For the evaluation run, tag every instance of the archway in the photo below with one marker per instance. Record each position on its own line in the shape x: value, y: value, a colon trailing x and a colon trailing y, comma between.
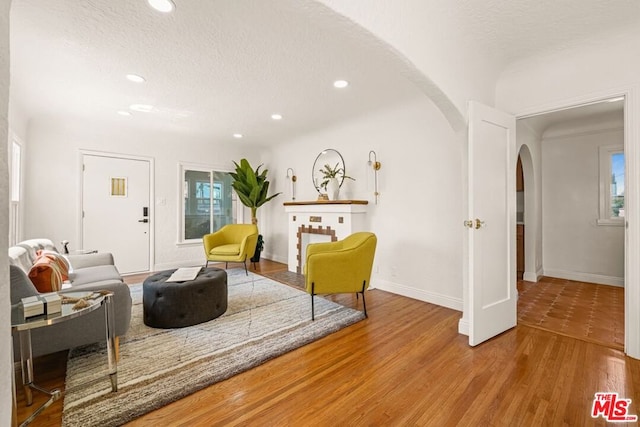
x: 531, y: 218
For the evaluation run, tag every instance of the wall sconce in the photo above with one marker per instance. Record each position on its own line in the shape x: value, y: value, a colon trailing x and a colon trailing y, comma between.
x: 293, y: 179
x: 376, y: 165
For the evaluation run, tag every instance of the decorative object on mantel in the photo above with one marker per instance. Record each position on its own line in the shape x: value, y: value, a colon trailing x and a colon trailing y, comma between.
x: 293, y: 179
x: 251, y: 186
x: 328, y: 177
x: 376, y: 165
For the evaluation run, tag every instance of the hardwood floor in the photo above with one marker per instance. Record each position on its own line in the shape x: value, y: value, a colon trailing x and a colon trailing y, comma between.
x: 585, y: 311
x: 404, y: 365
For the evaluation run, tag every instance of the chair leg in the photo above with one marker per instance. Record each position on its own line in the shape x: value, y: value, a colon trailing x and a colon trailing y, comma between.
x: 207, y: 264
x: 245, y: 268
x: 312, y: 308
x: 364, y: 303
x: 226, y: 265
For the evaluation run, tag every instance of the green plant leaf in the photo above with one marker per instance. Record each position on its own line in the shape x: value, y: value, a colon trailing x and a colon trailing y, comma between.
x: 251, y: 185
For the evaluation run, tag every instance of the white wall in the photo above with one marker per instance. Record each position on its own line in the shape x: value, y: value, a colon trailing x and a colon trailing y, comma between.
x: 574, y: 245
x: 418, y: 218
x: 600, y: 67
x: 53, y: 178
x: 6, y: 368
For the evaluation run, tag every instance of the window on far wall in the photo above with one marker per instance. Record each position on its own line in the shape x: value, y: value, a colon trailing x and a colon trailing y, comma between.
x: 611, y: 185
x: 16, y: 185
x: 208, y: 202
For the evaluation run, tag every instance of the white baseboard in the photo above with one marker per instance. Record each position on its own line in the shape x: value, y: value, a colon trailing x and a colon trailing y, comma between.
x: 530, y: 277
x: 463, y: 326
x: 585, y: 277
x: 419, y: 294
x: 179, y: 264
x: 273, y: 257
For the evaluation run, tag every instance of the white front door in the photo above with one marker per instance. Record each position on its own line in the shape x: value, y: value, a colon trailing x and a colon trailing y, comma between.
x: 492, y: 224
x: 116, y: 211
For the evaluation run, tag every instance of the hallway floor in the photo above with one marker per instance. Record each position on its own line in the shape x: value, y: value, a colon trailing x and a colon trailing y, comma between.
x: 586, y: 311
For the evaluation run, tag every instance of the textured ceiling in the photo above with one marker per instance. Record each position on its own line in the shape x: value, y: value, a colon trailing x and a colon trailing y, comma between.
x: 512, y: 30
x: 218, y: 67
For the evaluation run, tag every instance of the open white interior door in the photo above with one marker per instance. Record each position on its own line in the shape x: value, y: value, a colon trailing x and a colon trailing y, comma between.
x: 492, y: 223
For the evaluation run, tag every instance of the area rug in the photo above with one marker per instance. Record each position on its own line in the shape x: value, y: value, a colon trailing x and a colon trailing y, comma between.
x: 585, y: 311
x: 264, y: 319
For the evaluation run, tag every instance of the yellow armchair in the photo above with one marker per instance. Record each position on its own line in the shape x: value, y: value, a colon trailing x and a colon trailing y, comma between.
x: 232, y: 243
x: 340, y: 267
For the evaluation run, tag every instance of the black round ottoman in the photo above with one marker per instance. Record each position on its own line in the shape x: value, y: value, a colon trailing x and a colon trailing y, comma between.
x: 179, y: 304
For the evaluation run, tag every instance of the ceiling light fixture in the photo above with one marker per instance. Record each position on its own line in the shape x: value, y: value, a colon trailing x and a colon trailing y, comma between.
x: 276, y: 116
x: 340, y: 84
x: 143, y: 108
x: 135, y: 78
x: 237, y: 135
x: 164, y: 6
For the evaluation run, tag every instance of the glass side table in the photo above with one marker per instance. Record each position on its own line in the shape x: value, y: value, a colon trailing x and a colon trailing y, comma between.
x: 24, y: 326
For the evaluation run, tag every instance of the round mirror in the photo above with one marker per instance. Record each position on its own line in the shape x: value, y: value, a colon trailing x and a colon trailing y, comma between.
x: 328, y: 163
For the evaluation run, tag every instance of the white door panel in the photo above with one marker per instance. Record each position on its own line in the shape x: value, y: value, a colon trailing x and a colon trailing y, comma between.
x: 492, y: 275
x: 114, y: 193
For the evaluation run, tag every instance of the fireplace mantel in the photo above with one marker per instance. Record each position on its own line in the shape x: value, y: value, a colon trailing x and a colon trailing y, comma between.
x: 319, y: 221
x: 327, y: 202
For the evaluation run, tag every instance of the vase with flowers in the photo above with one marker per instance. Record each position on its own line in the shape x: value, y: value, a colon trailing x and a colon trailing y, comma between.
x: 332, y: 179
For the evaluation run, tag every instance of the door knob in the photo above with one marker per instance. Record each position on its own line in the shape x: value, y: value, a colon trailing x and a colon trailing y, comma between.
x: 474, y: 223
x: 145, y: 220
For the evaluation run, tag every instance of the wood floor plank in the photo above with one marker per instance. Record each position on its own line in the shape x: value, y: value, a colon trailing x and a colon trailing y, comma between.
x: 404, y: 365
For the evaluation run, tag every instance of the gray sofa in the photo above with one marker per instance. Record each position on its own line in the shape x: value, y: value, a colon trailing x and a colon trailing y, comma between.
x: 89, y: 272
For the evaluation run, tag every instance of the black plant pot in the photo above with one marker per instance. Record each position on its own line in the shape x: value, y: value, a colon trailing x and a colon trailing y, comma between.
x: 259, y: 248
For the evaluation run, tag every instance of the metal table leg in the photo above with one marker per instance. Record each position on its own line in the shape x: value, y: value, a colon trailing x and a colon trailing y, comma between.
x: 110, y: 328
x: 26, y: 365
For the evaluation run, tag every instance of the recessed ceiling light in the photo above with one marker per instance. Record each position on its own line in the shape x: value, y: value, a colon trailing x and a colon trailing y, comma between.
x: 135, y: 78
x: 124, y: 113
x: 237, y: 135
x: 164, y: 6
x: 340, y: 84
x: 276, y: 116
x: 143, y: 108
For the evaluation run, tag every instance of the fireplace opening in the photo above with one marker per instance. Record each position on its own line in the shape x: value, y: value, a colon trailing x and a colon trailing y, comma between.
x: 308, y: 235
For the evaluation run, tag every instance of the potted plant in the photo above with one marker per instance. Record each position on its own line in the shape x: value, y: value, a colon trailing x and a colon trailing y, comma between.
x: 251, y: 186
x: 331, y: 180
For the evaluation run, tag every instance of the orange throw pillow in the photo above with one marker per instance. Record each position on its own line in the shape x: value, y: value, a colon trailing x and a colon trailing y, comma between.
x: 49, y: 271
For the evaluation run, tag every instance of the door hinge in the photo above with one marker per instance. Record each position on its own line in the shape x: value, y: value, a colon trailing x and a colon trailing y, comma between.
x: 83, y: 167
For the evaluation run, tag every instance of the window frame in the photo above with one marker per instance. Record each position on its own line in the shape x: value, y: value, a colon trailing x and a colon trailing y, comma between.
x: 183, y: 167
x: 605, y: 154
x: 16, y: 181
